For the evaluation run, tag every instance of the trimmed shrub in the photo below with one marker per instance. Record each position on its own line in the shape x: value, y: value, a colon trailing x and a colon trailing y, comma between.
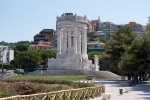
x: 23, y: 88
x: 5, y: 91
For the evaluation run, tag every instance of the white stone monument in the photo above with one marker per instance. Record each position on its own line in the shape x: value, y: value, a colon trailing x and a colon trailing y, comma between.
x: 96, y: 63
x: 71, y: 44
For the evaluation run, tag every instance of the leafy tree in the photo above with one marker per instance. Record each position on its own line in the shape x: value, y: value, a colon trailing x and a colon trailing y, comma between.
x: 141, y: 51
x: 45, y: 54
x: 21, y: 46
x: 29, y: 60
x: 104, y: 61
x: 148, y: 24
x: 128, y: 63
x: 119, y: 43
x: 90, y: 36
x: 14, y: 64
x: 137, y: 57
x: 7, y: 44
x: 91, y: 55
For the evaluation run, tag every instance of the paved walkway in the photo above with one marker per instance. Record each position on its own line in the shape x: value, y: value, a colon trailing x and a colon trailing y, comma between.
x: 138, y: 92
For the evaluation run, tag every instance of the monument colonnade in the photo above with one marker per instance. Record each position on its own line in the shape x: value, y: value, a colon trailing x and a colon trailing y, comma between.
x: 72, y: 40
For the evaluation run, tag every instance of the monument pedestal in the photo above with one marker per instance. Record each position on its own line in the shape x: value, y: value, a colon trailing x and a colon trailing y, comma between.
x: 69, y: 63
x: 71, y: 44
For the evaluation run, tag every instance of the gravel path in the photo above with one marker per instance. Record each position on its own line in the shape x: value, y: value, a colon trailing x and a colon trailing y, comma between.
x: 138, y: 92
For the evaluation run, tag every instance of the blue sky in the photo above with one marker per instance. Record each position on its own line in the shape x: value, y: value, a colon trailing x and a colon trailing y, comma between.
x: 22, y: 19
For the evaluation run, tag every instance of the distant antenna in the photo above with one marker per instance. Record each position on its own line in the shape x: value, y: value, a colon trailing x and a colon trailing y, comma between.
x: 149, y: 20
x: 99, y: 18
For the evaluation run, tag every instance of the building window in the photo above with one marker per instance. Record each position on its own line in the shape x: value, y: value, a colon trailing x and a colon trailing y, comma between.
x: 71, y: 40
x: 96, y: 46
x: 7, y: 57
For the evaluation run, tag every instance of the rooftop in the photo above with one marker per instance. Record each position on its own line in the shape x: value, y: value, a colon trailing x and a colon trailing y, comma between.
x: 133, y: 24
x: 94, y: 43
x: 71, y: 17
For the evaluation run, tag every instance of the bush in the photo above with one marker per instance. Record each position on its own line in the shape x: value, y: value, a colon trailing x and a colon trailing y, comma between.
x: 23, y: 88
x: 5, y: 91
x: 41, y: 81
x: 64, y: 82
x: 81, y: 85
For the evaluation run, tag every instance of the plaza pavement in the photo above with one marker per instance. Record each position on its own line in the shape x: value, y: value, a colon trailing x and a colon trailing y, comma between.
x: 138, y: 92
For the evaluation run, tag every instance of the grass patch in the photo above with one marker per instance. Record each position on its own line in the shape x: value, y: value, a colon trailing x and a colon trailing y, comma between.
x: 67, y: 78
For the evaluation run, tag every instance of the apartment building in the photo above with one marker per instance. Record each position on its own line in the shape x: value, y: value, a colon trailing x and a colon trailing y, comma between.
x: 46, y: 39
x: 135, y: 26
x: 107, y: 27
x: 94, y: 25
x: 42, y: 45
x: 47, y: 35
x: 95, y: 46
x: 6, y: 54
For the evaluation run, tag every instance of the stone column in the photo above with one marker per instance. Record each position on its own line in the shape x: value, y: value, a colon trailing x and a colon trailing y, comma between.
x: 79, y: 42
x: 85, y: 34
x: 64, y: 43
x: 84, y: 41
x: 58, y: 41
x: 75, y: 39
x: 69, y: 40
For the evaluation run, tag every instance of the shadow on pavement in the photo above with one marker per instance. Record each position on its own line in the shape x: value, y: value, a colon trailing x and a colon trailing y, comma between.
x: 143, y: 87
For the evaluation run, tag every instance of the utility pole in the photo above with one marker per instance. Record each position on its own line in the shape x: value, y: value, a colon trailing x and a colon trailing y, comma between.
x: 2, y: 55
x: 2, y: 71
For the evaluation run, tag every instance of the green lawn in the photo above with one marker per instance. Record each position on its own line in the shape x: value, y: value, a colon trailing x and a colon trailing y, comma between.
x: 68, y: 78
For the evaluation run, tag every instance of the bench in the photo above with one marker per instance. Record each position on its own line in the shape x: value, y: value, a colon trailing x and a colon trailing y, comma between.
x: 127, y: 90
x: 106, y: 96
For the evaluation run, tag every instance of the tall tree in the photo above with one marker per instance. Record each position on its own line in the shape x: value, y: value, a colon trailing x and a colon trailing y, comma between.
x: 148, y: 24
x: 14, y: 64
x: 119, y: 43
x: 137, y: 58
x: 21, y: 46
x: 103, y: 61
x: 45, y: 54
x: 29, y: 60
x: 141, y: 51
x: 91, y: 55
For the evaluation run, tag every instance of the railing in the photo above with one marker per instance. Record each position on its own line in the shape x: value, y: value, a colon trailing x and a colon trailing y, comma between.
x: 72, y: 94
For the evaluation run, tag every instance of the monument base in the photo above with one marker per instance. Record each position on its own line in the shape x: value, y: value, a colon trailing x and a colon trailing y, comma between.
x: 65, y: 64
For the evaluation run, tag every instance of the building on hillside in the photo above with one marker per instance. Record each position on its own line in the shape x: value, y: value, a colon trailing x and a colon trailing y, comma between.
x: 47, y: 35
x: 95, y: 46
x: 134, y: 26
x: 102, y: 36
x: 42, y: 45
x: 138, y: 29
x: 101, y: 31
x: 94, y: 25
x: 106, y: 27
x: 144, y: 29
x: 6, y: 54
x: 98, y: 36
